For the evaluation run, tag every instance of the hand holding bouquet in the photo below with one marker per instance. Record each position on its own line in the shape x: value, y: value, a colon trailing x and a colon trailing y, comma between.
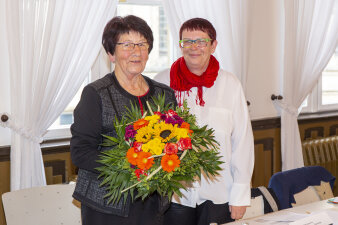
x: 156, y: 152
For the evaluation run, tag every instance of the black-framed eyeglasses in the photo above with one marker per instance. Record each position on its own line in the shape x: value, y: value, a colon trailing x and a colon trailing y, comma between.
x: 200, y: 43
x: 129, y: 46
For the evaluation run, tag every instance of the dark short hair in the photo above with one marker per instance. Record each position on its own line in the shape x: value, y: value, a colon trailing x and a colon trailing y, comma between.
x: 199, y: 24
x: 122, y: 25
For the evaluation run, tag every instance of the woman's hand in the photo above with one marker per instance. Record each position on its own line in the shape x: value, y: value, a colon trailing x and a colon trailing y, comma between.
x: 237, y: 212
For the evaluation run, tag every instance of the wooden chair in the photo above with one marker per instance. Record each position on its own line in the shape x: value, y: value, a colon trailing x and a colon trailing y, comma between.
x: 51, y: 204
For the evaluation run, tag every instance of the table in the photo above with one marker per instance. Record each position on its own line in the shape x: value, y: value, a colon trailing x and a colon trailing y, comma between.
x: 314, y: 207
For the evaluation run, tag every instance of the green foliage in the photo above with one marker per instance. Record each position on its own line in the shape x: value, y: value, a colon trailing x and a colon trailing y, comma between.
x: 118, y: 175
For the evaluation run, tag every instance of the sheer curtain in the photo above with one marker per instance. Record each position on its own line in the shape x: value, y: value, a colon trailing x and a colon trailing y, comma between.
x: 230, y: 19
x: 311, y: 36
x: 52, y: 45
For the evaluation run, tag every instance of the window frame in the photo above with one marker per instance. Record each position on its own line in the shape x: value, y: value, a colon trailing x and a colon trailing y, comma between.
x: 63, y: 131
x: 314, y: 99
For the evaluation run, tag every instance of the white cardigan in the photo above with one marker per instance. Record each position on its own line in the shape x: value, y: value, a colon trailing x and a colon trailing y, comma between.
x: 226, y: 111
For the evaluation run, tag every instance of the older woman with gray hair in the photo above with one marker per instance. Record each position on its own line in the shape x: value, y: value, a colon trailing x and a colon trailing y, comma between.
x: 128, y: 42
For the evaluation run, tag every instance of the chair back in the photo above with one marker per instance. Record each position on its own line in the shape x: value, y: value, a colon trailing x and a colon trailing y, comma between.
x: 51, y: 204
x: 263, y: 200
x: 288, y: 183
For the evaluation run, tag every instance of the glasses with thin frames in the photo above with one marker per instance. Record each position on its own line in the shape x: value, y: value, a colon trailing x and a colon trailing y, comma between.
x: 129, y: 46
x: 200, y: 43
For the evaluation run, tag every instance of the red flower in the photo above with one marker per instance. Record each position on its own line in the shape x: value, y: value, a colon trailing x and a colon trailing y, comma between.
x: 139, y: 172
x: 170, y: 148
x: 184, y: 144
x: 137, y: 146
x: 171, y: 113
x: 157, y: 113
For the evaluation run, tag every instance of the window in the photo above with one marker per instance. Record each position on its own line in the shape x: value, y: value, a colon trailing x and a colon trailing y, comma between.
x: 160, y: 57
x: 324, y: 96
x: 152, y: 12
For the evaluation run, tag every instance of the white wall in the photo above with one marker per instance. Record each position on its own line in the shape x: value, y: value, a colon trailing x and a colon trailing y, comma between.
x: 4, y: 76
x: 263, y: 71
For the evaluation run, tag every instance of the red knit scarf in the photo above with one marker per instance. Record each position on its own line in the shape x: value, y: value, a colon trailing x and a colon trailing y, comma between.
x: 181, y: 79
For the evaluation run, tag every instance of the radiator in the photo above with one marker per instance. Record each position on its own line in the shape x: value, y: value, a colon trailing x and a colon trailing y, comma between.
x: 323, y: 152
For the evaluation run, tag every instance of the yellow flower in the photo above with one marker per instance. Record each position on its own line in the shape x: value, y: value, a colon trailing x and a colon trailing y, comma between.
x: 154, y: 146
x: 164, y: 131
x: 181, y: 133
x: 144, y: 134
x: 152, y: 119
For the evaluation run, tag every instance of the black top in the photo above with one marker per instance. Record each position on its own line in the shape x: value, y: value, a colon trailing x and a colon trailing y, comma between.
x: 100, y: 103
x: 93, y: 116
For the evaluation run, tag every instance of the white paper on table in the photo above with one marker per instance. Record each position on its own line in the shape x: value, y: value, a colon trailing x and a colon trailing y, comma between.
x: 315, y: 219
x: 283, y: 219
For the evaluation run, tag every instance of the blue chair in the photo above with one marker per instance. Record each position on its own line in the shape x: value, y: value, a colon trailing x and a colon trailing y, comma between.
x: 287, y: 183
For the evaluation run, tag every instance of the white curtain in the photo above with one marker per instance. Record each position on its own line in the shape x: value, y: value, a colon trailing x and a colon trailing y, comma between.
x: 52, y: 45
x: 230, y: 19
x: 311, y: 36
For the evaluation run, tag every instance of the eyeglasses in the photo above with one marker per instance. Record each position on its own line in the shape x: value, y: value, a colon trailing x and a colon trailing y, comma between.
x: 200, y: 43
x: 129, y: 46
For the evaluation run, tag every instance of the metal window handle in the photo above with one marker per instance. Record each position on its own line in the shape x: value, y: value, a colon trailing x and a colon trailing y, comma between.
x: 276, y: 97
x: 4, y: 118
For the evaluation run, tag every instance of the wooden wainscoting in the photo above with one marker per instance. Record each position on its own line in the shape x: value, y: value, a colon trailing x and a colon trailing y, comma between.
x: 312, y: 128
x: 59, y: 168
x: 267, y: 150
x: 268, y: 142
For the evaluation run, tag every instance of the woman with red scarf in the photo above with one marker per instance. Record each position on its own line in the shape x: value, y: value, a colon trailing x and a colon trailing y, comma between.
x: 216, y: 98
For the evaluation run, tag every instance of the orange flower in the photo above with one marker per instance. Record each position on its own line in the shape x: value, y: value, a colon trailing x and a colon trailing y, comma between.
x: 140, y: 123
x: 186, y: 126
x: 143, y: 162
x: 170, y: 162
x: 132, y: 156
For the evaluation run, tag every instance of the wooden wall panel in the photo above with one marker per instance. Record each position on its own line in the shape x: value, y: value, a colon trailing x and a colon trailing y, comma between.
x: 4, y: 186
x: 58, y: 163
x: 267, y: 155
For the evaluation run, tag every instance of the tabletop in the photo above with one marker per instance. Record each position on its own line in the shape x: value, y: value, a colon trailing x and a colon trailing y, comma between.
x: 286, y: 216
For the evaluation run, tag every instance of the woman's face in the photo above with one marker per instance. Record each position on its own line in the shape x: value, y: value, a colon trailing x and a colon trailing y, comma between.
x: 197, y: 59
x: 130, y: 62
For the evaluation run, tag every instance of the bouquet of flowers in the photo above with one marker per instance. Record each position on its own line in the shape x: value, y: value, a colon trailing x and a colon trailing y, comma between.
x: 156, y: 152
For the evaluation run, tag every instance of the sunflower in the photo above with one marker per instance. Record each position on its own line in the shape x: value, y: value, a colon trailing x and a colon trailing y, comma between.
x: 154, y: 146
x: 144, y: 134
x: 164, y: 131
x: 170, y: 162
x: 143, y: 162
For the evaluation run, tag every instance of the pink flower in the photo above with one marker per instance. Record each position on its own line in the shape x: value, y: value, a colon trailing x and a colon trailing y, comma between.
x: 137, y: 146
x: 184, y: 144
x: 171, y: 113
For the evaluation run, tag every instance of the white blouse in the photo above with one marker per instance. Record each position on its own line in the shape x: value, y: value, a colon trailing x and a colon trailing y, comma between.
x: 226, y: 111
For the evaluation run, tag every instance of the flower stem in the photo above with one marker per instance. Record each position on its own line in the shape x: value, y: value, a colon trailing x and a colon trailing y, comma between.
x: 154, y: 156
x: 126, y: 189
x: 151, y: 111
x: 184, y: 153
x: 147, y: 178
